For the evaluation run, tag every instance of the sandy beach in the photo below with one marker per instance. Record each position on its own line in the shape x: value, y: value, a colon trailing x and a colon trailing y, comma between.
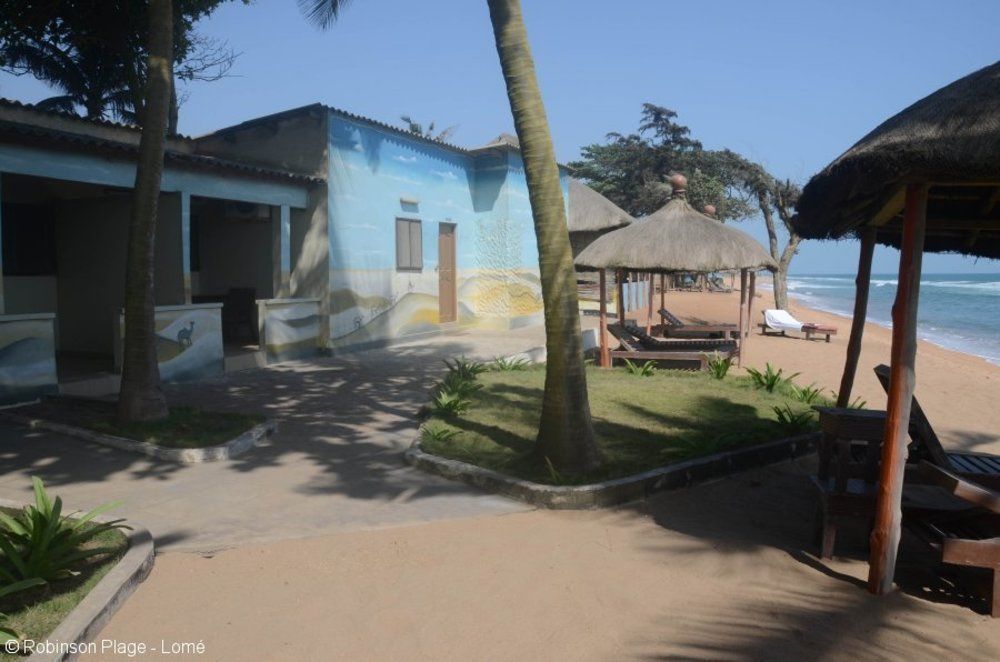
x: 724, y: 570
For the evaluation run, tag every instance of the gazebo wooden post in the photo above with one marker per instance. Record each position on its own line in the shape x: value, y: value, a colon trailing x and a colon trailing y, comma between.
x: 604, y: 359
x: 620, y: 276
x: 861, y: 284
x: 749, y: 322
x: 649, y: 315
x: 663, y: 290
x: 743, y: 305
x: 888, y: 513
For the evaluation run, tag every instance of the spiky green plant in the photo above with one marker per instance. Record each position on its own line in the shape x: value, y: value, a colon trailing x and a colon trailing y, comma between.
x: 718, y: 365
x: 647, y: 369
x: 793, y: 421
x: 465, y: 368
x: 770, y: 379
x: 40, y: 542
x: 509, y: 364
x: 437, y: 434
x: 807, y: 394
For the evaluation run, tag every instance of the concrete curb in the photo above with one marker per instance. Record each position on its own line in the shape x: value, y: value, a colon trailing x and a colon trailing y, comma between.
x: 97, y: 607
x: 620, y: 490
x: 225, y: 451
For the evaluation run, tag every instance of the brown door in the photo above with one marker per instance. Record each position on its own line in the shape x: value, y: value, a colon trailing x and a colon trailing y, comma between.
x: 447, y: 294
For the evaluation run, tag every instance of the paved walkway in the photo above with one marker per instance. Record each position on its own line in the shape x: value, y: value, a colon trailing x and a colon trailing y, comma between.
x: 335, y: 464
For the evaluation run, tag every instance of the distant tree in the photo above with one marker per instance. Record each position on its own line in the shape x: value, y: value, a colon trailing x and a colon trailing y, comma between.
x: 417, y: 128
x: 94, y: 52
x: 632, y: 169
x: 565, y: 430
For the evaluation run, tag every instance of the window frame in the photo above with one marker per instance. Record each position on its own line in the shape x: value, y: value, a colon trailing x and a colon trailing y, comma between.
x: 409, y: 223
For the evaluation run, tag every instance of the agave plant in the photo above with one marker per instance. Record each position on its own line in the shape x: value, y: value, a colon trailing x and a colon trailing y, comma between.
x: 646, y: 369
x: 770, y: 379
x: 509, y: 364
x: 807, y: 394
x: 718, y: 365
x: 41, y: 543
x: 465, y: 368
x: 794, y: 422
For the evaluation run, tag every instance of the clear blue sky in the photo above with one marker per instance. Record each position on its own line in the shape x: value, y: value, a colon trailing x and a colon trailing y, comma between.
x: 790, y: 83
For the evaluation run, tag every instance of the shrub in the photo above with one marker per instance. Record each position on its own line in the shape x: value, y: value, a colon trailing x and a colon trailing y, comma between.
x: 718, y: 366
x: 857, y: 403
x: 465, y: 368
x: 794, y: 422
x: 770, y: 379
x: 458, y: 385
x: 42, y: 543
x: 502, y: 364
x: 807, y: 394
x: 646, y: 369
x: 437, y: 434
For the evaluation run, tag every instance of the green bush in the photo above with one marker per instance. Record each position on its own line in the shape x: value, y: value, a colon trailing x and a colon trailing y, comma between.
x: 770, y: 379
x: 502, y: 364
x: 718, y: 365
x: 807, y: 394
x: 464, y: 368
x: 794, y: 422
x: 42, y: 543
x: 647, y: 369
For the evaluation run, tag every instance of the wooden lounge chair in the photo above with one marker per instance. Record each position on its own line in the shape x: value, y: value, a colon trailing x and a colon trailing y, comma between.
x: 675, y: 327
x: 980, y: 468
x: 967, y: 538
x: 777, y: 322
x: 637, y: 345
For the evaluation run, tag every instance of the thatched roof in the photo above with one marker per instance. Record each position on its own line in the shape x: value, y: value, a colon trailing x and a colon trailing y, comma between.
x: 677, y: 238
x: 589, y: 211
x: 951, y: 140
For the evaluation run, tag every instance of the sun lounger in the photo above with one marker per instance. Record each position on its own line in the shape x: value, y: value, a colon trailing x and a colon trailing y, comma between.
x: 980, y: 468
x: 673, y: 326
x: 780, y: 321
x: 636, y: 344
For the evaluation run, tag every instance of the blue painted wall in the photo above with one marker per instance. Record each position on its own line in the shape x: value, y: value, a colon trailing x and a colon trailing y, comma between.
x: 376, y: 176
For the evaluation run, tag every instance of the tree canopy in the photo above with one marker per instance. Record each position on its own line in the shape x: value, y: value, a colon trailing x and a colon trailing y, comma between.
x: 94, y: 51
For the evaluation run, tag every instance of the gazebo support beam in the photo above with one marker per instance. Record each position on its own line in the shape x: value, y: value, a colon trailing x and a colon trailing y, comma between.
x: 620, y: 277
x: 888, y: 512
x: 751, y: 293
x: 862, y: 284
x: 743, y: 306
x: 604, y: 360
x: 649, y: 311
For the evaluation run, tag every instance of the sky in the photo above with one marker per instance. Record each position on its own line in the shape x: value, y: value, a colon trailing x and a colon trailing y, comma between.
x: 789, y: 83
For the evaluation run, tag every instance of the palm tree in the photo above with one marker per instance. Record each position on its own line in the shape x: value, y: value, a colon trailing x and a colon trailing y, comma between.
x: 565, y: 432
x: 140, y: 397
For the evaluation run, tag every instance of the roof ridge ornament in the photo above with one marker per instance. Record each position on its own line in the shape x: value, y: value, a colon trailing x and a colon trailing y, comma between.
x: 678, y: 185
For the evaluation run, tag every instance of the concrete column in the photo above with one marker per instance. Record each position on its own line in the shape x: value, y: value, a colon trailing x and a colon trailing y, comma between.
x: 186, y: 244
x: 281, y: 235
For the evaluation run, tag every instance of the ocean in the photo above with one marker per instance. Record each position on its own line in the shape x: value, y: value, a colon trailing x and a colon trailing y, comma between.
x: 957, y: 311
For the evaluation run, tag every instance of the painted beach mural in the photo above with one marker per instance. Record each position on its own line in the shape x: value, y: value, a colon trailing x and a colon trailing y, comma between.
x: 188, y: 341
x: 27, y: 357
x: 291, y: 328
x: 377, y: 179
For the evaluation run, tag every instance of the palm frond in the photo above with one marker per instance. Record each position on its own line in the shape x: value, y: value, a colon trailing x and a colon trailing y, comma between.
x: 322, y: 13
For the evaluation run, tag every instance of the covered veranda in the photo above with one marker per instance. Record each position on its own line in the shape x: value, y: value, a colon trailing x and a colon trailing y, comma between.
x: 65, y: 189
x: 925, y: 180
x: 675, y: 239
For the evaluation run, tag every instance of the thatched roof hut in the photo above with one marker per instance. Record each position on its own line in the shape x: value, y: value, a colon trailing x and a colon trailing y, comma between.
x: 951, y: 140
x: 591, y: 215
x: 676, y: 239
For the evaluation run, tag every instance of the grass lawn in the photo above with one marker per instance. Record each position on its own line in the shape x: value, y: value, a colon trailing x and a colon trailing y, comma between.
x: 641, y: 422
x: 36, y: 612
x: 186, y: 427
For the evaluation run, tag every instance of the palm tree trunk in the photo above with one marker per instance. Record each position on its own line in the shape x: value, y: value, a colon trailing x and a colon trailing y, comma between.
x: 565, y: 433
x: 141, y: 397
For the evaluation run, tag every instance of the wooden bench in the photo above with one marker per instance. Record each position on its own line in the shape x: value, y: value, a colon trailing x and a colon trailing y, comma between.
x: 673, y: 326
x: 809, y: 329
x: 637, y: 345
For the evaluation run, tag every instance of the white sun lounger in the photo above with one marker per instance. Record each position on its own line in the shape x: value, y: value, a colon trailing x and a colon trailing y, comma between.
x: 781, y: 321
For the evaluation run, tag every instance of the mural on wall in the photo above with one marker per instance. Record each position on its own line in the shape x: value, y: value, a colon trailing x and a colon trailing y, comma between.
x: 291, y: 329
x: 27, y: 358
x: 188, y: 341
x: 377, y: 177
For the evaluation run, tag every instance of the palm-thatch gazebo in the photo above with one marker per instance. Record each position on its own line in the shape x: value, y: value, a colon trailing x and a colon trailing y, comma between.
x: 591, y: 215
x: 926, y: 179
x: 676, y: 239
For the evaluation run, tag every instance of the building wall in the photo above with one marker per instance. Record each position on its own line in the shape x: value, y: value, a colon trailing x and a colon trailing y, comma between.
x: 377, y: 176
x: 235, y: 253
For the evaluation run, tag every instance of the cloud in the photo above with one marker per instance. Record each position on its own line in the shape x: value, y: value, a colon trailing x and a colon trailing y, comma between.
x: 445, y: 174
x: 405, y: 159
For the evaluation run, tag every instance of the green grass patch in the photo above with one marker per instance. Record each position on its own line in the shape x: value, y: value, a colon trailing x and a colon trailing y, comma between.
x: 36, y: 612
x: 640, y: 423
x: 186, y: 427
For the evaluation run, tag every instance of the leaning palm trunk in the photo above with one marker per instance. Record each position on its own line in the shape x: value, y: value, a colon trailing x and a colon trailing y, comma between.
x: 565, y: 434
x: 141, y: 397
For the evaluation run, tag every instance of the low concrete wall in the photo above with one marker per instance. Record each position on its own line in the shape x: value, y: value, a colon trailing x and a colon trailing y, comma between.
x: 289, y: 328
x: 27, y: 357
x: 188, y: 341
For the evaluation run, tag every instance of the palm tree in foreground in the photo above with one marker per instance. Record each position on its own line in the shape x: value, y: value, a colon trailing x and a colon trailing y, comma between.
x: 141, y: 398
x: 565, y: 432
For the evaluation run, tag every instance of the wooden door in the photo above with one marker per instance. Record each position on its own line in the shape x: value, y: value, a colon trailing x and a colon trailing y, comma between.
x: 447, y: 292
